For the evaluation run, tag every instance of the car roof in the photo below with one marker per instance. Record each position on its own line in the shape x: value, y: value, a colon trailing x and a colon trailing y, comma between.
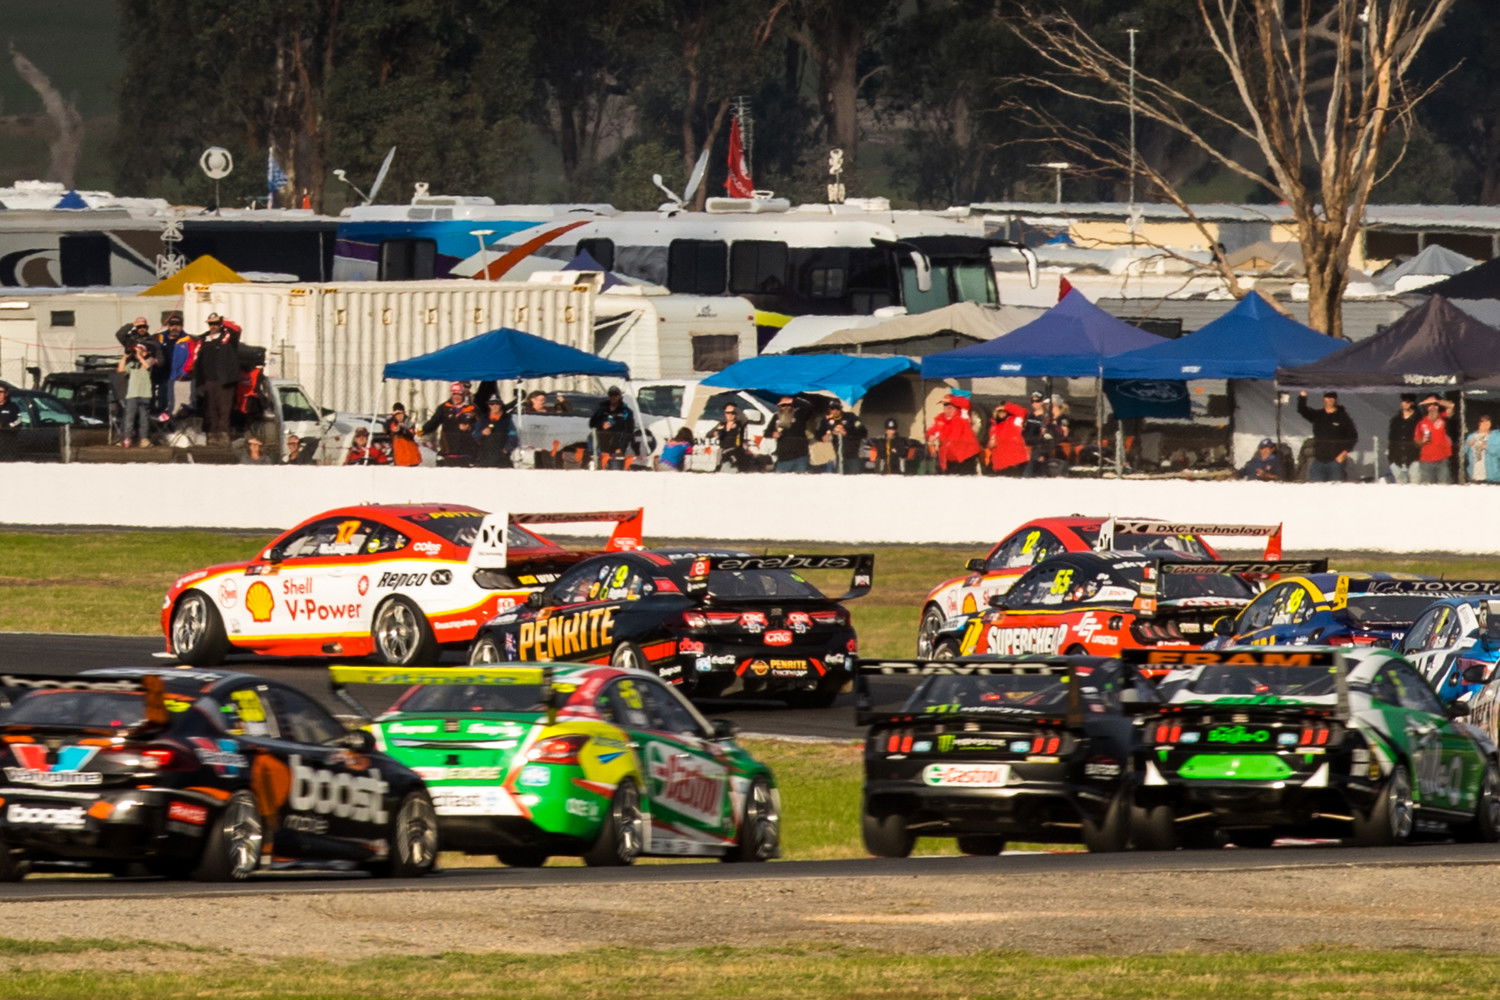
x: 182, y: 678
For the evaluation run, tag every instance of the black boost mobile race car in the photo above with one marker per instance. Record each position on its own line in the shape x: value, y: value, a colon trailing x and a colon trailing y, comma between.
x: 989, y: 750
x: 197, y: 773
x: 713, y: 623
x: 1257, y: 743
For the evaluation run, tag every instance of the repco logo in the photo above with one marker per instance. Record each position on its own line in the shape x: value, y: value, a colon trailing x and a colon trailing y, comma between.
x: 360, y: 798
x: 402, y: 579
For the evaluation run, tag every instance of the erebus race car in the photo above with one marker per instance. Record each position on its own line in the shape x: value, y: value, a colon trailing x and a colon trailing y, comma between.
x: 527, y: 762
x: 990, y: 750
x: 1045, y: 537
x: 712, y: 623
x: 1099, y: 603
x: 1308, y: 742
x: 197, y: 773
x: 399, y: 582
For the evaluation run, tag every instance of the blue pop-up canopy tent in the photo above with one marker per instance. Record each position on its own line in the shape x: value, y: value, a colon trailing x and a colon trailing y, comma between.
x: 1251, y: 340
x: 847, y: 376
x: 1071, y: 339
x: 504, y: 354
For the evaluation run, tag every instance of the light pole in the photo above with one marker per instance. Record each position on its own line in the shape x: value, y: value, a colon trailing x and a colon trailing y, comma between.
x: 480, y: 234
x: 1132, y: 33
x: 1057, y: 167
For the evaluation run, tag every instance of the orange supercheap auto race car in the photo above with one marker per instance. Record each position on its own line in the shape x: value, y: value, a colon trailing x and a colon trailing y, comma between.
x: 1045, y: 537
x: 397, y: 582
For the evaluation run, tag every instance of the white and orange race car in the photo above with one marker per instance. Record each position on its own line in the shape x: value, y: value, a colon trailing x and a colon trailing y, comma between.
x: 1045, y: 537
x: 398, y: 582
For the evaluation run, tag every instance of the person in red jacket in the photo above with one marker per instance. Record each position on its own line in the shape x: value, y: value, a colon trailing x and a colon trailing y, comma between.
x: 951, y: 438
x: 1434, y: 445
x: 1005, y: 452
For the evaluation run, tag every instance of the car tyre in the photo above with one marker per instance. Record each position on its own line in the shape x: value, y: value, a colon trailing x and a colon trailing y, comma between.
x: 887, y: 836
x: 522, y: 857
x: 198, y: 636
x: 1484, y: 828
x: 401, y: 634
x: 414, y: 840
x: 628, y: 656
x: 13, y: 864
x: 1110, y: 832
x: 484, y: 651
x: 981, y: 846
x: 233, y: 845
x: 1392, y: 816
x: 622, y: 836
x: 946, y: 649
x: 927, y: 629
x: 1154, y: 828
x: 759, y: 835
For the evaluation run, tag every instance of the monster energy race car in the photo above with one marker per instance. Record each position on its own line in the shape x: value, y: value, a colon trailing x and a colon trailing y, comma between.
x: 1275, y: 741
x: 525, y: 762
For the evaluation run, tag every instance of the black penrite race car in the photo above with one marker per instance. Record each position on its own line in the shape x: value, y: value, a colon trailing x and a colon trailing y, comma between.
x: 713, y: 623
x: 1254, y: 743
x: 989, y: 750
x: 197, y: 773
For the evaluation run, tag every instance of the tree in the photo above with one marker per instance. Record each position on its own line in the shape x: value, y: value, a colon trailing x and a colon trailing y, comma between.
x: 1314, y: 91
x: 835, y: 34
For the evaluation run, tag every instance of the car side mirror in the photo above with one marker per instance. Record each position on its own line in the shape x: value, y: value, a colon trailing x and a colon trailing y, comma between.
x: 275, y: 554
x: 1224, y: 627
x: 536, y: 599
x: 1131, y: 703
x: 974, y: 565
x: 996, y: 601
x: 1458, y: 710
x: 723, y: 729
x: 357, y: 740
x: 1474, y: 673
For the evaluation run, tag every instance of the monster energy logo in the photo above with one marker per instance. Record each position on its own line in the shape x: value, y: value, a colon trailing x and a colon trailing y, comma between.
x: 945, y: 743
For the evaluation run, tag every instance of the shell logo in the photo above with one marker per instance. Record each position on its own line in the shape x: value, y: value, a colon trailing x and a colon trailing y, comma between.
x: 259, y: 602
x: 970, y: 605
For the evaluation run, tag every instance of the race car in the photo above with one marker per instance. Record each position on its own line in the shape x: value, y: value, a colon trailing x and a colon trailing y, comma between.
x: 399, y: 582
x: 1338, y: 609
x: 1045, y: 537
x: 201, y: 774
x: 528, y: 762
x: 989, y: 750
x: 1099, y: 603
x: 1452, y: 636
x: 712, y: 623
x: 1256, y: 744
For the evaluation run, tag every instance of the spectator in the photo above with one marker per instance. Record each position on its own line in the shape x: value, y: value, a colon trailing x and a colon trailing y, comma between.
x: 1036, y: 434
x: 1264, y: 465
x: 1482, y: 451
x: 184, y: 354
x: 788, y: 428
x: 136, y: 362
x: 614, y: 427
x: 362, y: 452
x: 255, y: 452
x: 729, y: 435
x: 1005, y: 451
x: 404, y: 450
x: 1434, y: 446
x: 1333, y: 438
x: 463, y: 446
x: 295, y: 453
x: 10, y: 424
x: 1060, y: 429
x: 894, y: 455
x: 444, y: 419
x: 217, y: 373
x: 1401, y: 449
x: 675, y: 452
x: 846, y: 433
x: 495, y: 435
x: 951, y: 438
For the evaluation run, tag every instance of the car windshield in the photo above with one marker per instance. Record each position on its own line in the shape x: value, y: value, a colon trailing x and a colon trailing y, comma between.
x: 1000, y: 693
x: 1388, y: 609
x: 296, y: 407
x: 1188, y: 545
x: 462, y: 526
x: 1254, y: 679
x: 86, y: 709
x: 778, y: 583
x: 474, y: 698
x: 1181, y: 586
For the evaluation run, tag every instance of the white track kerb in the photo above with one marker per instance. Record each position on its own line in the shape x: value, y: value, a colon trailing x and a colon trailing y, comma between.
x: 825, y: 508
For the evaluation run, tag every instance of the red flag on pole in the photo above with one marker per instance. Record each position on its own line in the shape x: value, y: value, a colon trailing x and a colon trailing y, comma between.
x: 738, y: 183
x: 1064, y: 286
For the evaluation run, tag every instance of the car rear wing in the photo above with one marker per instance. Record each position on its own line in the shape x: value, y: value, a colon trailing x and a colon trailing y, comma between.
x: 491, y: 551
x: 406, y: 677
x: 1267, y: 657
x: 1151, y: 590
x: 14, y: 686
x: 861, y: 566
x: 1114, y: 526
x: 1435, y: 589
x: 904, y: 676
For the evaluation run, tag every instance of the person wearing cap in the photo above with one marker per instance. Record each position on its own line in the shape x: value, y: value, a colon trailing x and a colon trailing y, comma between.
x: 894, y: 455
x: 788, y: 428
x: 183, y: 348
x: 1482, y: 451
x: 444, y: 419
x: 729, y: 435
x: 136, y: 364
x: 495, y: 434
x: 1333, y: 438
x: 217, y: 374
x: 846, y: 433
x: 1005, y: 452
x: 951, y: 438
x: 1401, y: 440
x: 296, y: 454
x: 362, y: 452
x: 1434, y: 441
x: 1265, y: 465
x: 1037, y: 434
x: 613, y: 424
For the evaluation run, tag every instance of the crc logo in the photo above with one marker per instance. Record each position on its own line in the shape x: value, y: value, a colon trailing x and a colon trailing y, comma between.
x: 441, y: 577
x: 778, y: 637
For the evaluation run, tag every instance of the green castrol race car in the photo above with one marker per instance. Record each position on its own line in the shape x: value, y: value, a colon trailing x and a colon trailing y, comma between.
x: 532, y: 761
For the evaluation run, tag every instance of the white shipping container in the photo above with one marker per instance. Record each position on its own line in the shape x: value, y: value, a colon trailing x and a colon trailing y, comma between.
x: 49, y: 330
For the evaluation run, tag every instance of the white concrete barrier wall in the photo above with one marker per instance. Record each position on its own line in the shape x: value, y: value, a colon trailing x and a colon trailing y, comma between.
x: 850, y: 509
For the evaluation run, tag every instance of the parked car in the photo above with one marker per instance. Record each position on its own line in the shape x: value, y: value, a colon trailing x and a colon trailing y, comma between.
x: 668, y: 405
x: 46, y: 423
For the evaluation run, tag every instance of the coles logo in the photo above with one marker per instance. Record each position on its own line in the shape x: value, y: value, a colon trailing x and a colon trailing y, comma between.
x: 691, y: 786
x: 259, y: 602
x: 778, y: 637
x: 700, y: 568
x: 364, y: 586
x: 229, y: 593
x: 426, y: 548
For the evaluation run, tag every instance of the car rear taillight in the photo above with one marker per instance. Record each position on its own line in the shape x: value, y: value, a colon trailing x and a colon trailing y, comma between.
x: 1314, y: 735
x: 838, y: 616
x: 894, y: 741
x: 693, y: 620
x: 1166, y: 732
x: 1353, y: 640
x: 557, y: 749
x: 157, y: 757
x: 1046, y: 743
x: 1464, y: 664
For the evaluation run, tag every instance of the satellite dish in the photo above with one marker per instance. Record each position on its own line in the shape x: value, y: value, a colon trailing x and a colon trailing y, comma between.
x: 216, y: 162
x: 675, y: 202
x: 696, y: 177
x: 385, y: 168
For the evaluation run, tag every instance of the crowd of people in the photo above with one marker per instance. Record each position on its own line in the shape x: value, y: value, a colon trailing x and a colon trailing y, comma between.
x: 173, y: 374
